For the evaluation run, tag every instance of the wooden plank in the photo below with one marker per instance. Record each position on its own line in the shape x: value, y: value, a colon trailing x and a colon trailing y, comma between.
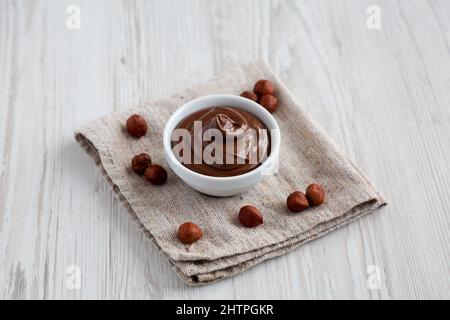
x: 382, y: 94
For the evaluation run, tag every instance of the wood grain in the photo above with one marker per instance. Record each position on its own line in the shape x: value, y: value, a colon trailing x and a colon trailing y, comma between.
x: 382, y: 94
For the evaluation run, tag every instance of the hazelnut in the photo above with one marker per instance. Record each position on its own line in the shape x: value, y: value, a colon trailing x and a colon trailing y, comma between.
x: 189, y: 232
x: 269, y: 102
x: 297, y: 202
x: 156, y: 174
x: 315, y: 194
x: 263, y: 87
x: 141, y: 162
x: 250, y: 216
x: 136, y: 126
x: 249, y: 95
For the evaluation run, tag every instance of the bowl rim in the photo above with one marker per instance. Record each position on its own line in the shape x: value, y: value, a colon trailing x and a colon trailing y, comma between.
x: 275, y: 141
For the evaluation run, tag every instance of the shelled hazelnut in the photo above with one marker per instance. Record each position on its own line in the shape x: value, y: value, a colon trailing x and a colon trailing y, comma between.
x: 250, y: 217
x: 297, y: 202
x: 141, y: 162
x: 156, y: 174
x: 136, y: 126
x: 269, y: 102
x: 263, y: 87
x: 189, y: 232
x: 315, y: 194
x: 250, y: 95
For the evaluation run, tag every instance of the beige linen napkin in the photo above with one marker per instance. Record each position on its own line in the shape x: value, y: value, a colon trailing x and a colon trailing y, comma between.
x: 307, y: 155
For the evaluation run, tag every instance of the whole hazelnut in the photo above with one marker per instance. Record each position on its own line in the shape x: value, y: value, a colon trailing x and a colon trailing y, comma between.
x: 250, y: 95
x: 297, y: 202
x: 269, y: 102
x: 136, y: 126
x: 263, y: 87
x: 141, y: 162
x: 315, y: 194
x: 156, y: 174
x: 189, y: 232
x: 250, y: 216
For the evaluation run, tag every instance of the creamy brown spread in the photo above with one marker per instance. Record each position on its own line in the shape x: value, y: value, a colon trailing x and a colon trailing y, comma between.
x: 238, y: 142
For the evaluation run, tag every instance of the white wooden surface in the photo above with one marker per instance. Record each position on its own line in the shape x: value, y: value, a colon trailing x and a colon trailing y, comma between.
x: 382, y: 94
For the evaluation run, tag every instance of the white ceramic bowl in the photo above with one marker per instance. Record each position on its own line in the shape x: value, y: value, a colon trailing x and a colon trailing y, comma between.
x: 222, y: 186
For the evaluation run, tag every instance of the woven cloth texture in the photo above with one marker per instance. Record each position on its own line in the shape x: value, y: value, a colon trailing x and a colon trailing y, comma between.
x: 307, y: 155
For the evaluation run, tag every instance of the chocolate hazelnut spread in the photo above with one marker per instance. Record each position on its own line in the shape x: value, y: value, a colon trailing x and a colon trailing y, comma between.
x: 221, y: 141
